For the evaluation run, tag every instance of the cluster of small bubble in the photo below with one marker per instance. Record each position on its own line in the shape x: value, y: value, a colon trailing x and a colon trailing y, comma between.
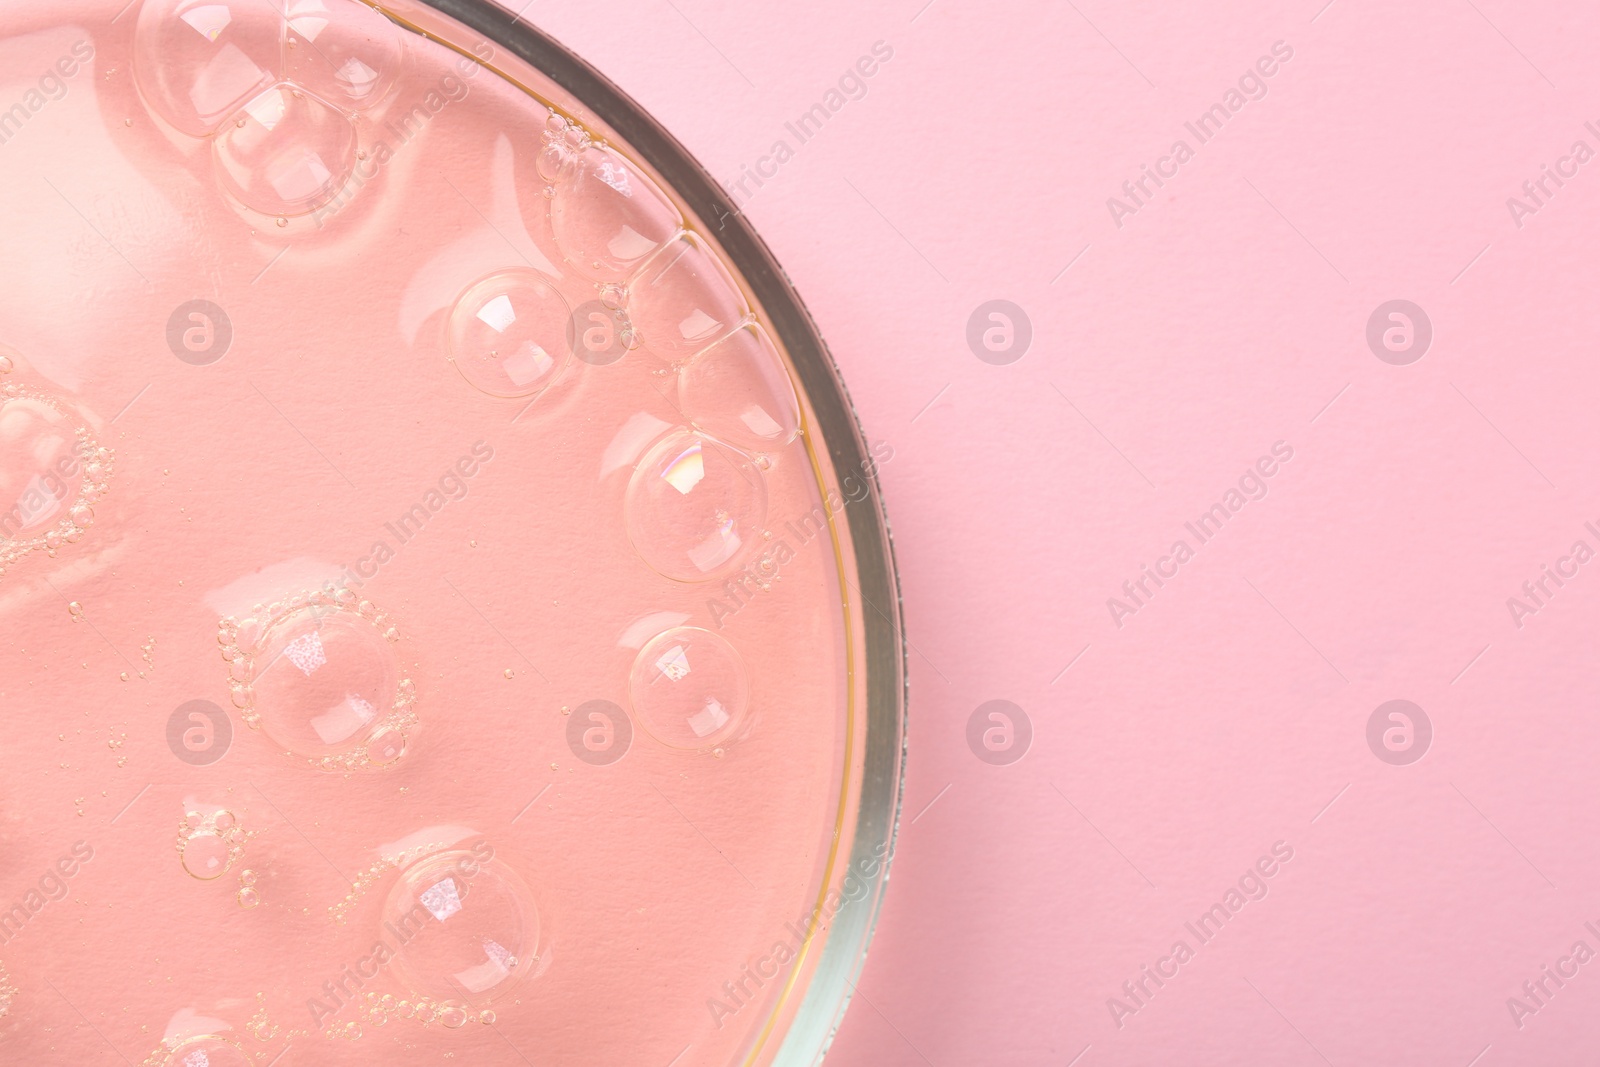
x: 369, y: 877
x: 562, y: 141
x: 8, y: 992
x: 163, y: 1055
x: 261, y: 1024
x: 248, y: 896
x: 221, y: 1049
x: 215, y: 840
x: 97, y: 466
x: 377, y: 1009
x: 240, y: 641
x: 197, y: 1051
x: 115, y: 742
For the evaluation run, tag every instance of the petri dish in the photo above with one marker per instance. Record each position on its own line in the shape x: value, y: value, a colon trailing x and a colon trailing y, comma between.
x: 453, y: 610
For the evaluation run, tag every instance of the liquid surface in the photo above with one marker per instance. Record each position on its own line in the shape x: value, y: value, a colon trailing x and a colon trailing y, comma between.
x: 427, y: 637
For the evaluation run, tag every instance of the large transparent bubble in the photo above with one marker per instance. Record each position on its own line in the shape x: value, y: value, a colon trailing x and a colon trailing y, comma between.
x: 509, y: 334
x: 466, y: 924
x: 607, y: 216
x: 343, y: 51
x: 286, y: 152
x: 199, y: 61
x: 695, y: 506
x: 320, y: 676
x: 684, y: 299
x: 690, y: 689
x: 740, y: 390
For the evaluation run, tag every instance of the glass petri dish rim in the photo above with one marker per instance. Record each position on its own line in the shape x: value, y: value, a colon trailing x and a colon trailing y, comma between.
x: 796, y: 1034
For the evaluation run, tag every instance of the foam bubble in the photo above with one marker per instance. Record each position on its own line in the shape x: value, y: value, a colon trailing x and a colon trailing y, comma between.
x: 695, y: 506
x: 205, y: 856
x: 319, y: 675
x: 684, y: 299
x: 508, y: 334
x: 209, y: 845
x: 740, y: 390
x: 208, y: 1052
x: 690, y: 689
x: 286, y: 152
x: 343, y: 51
x: 199, y: 61
x: 52, y: 470
x: 607, y: 216
x: 468, y: 922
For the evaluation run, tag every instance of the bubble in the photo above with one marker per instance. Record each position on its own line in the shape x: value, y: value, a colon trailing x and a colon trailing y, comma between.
x: 467, y: 924
x: 689, y: 688
x: 508, y: 334
x: 694, y: 506
x: 75, y: 609
x: 6, y: 365
x: 684, y: 299
x: 740, y: 390
x: 198, y: 61
x: 249, y: 898
x: 343, y: 51
x: 557, y: 153
x: 324, y: 682
x: 386, y: 746
x: 290, y: 155
x: 608, y: 217
x: 40, y: 469
x: 453, y: 1016
x: 205, y: 856
x: 208, y: 1052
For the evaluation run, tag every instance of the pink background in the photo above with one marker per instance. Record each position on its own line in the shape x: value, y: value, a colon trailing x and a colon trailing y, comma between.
x: 1224, y: 316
